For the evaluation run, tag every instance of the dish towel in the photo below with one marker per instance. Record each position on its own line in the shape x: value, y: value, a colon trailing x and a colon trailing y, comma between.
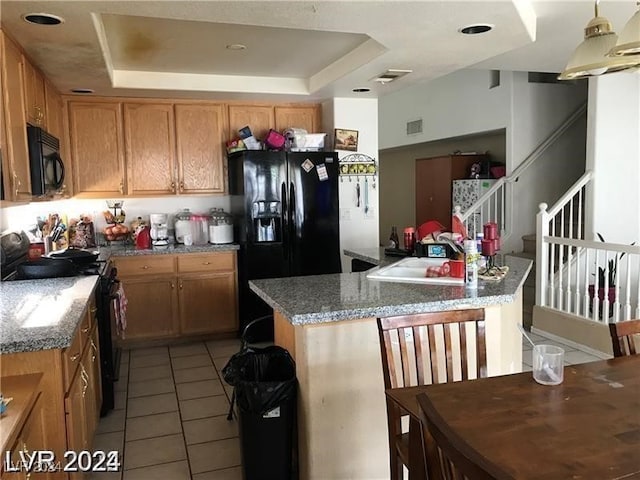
x: 120, y: 310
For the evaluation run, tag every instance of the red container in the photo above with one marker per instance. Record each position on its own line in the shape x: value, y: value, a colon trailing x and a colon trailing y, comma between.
x: 488, y: 247
x: 143, y: 239
x: 36, y: 250
x: 496, y: 243
x: 490, y: 230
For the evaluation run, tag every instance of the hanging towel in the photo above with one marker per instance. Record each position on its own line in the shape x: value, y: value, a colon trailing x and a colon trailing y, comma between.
x: 120, y: 310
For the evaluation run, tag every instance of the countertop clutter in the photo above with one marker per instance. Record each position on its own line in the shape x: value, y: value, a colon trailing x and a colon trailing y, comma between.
x: 329, y: 298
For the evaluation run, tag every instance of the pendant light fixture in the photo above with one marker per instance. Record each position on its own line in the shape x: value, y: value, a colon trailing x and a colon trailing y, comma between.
x: 629, y: 40
x: 590, y: 58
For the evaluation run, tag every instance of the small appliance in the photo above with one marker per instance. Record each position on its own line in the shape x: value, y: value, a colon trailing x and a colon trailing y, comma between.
x: 221, y: 228
x: 182, y: 225
x: 47, y: 168
x: 159, y: 231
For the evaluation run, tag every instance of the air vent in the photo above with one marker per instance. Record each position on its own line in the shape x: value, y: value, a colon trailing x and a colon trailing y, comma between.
x: 390, y: 75
x: 541, y: 77
x: 414, y: 127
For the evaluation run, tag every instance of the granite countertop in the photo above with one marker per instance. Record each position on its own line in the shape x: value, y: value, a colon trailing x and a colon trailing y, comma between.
x: 131, y: 251
x: 330, y: 298
x: 42, y: 314
x: 376, y: 255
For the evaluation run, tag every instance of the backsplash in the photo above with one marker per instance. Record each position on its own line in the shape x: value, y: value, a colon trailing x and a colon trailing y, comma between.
x: 20, y: 217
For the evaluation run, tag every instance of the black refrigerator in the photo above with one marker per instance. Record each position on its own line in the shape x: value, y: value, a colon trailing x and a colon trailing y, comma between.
x: 286, y: 218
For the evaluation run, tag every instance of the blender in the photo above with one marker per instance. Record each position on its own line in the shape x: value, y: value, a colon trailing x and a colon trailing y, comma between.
x: 159, y: 230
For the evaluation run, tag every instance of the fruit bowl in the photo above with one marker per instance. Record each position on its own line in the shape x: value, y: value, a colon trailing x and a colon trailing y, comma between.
x: 116, y: 231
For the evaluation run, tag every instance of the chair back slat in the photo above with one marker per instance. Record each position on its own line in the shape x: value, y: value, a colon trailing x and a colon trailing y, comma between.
x: 448, y: 353
x: 462, y: 334
x: 623, y: 337
x: 417, y: 337
x: 481, y: 351
x: 404, y: 356
x: 388, y: 366
x: 433, y: 353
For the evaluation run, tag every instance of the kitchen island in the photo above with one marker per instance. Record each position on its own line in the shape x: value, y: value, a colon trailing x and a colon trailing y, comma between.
x: 328, y: 323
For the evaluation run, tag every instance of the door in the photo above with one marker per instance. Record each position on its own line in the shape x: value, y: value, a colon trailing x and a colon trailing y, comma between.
x: 200, y: 138
x: 150, y: 149
x: 34, y: 103
x: 151, y: 308
x: 208, y: 303
x: 307, y: 118
x: 314, y: 213
x: 260, y: 118
x: 96, y: 149
x: 433, y: 190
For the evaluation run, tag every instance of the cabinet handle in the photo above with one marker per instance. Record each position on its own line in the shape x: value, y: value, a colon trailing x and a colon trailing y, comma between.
x: 93, y: 309
x: 145, y: 267
x: 173, y: 187
x: 85, y: 330
x: 16, y: 183
x: 181, y: 185
x: 75, y: 357
x: 181, y: 285
x: 173, y: 285
x: 121, y: 187
x: 95, y: 350
x: 85, y: 380
x: 206, y: 263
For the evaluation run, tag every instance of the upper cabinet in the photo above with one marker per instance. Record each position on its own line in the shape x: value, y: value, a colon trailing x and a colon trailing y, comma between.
x: 258, y: 117
x: 200, y: 136
x: 34, y: 104
x: 307, y: 117
x: 150, y: 149
x: 97, y: 148
x: 15, y: 157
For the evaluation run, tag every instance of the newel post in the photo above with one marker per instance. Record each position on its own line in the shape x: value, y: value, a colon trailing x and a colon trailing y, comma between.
x: 542, y: 255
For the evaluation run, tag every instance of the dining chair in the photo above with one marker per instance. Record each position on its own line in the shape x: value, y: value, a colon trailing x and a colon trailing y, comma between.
x: 451, y: 458
x: 623, y: 337
x: 424, y: 349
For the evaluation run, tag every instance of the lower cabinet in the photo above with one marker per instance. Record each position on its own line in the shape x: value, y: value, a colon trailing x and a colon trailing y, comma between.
x: 182, y: 294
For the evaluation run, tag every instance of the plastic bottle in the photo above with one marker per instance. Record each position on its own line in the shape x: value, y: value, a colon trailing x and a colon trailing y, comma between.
x: 471, y: 255
x: 482, y: 261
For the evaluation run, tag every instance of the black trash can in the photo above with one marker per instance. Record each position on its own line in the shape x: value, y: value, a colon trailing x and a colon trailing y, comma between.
x: 265, y: 390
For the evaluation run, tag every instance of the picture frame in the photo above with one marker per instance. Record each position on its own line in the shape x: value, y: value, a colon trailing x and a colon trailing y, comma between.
x: 346, y: 140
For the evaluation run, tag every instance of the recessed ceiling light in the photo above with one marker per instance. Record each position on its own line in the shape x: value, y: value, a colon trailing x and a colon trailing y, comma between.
x: 42, y: 19
x: 476, y: 29
x: 236, y: 46
x: 83, y: 91
x: 390, y: 75
x: 361, y: 90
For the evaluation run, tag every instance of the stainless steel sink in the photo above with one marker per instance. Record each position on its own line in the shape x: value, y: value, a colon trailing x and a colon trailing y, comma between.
x: 412, y: 270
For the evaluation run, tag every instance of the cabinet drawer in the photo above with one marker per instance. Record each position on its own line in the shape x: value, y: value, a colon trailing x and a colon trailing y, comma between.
x: 145, y: 265
x: 71, y: 358
x: 209, y: 262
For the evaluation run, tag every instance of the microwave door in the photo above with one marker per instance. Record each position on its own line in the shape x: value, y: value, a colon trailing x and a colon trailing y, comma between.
x: 54, y: 171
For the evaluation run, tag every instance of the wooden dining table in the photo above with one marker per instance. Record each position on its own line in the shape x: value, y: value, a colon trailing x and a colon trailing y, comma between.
x: 586, y: 428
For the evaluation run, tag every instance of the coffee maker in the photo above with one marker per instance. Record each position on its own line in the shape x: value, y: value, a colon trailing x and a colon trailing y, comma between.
x: 159, y: 230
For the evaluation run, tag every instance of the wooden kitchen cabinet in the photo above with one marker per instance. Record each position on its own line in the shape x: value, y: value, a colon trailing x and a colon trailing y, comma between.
x: 152, y: 305
x: 298, y: 117
x: 34, y: 99
x: 260, y: 118
x: 15, y: 156
x: 198, y: 297
x: 150, y: 149
x: 200, y: 138
x: 97, y: 149
x: 434, y: 177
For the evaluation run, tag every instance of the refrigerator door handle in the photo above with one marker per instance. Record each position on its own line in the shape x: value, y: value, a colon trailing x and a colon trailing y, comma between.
x: 284, y: 216
x: 292, y: 210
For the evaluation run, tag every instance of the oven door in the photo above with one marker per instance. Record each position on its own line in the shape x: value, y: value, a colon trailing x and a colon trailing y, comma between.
x: 109, y: 353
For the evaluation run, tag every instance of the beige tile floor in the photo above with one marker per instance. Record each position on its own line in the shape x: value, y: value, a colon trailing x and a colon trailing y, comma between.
x: 170, y: 418
x: 170, y: 421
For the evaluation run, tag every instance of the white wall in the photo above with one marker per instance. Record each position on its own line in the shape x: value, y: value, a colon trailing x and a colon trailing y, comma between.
x: 462, y: 103
x: 613, y: 153
x: 357, y: 229
x: 21, y: 216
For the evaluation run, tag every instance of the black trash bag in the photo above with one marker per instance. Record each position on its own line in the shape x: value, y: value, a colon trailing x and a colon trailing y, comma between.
x: 263, y: 378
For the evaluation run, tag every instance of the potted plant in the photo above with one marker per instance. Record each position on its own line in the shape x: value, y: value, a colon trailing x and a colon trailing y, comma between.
x: 606, y: 273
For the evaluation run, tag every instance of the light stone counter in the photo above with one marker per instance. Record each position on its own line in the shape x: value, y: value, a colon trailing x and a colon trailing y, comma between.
x: 42, y: 314
x: 329, y: 325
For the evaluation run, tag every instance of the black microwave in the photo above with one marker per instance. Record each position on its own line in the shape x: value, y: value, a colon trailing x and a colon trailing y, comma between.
x: 47, y: 168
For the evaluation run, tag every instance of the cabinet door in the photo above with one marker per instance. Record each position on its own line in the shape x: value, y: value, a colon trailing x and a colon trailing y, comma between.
x: 298, y: 117
x: 17, y: 175
x: 151, y: 308
x: 208, y: 303
x: 96, y: 149
x: 259, y: 119
x: 74, y: 408
x: 200, y: 137
x: 34, y: 104
x: 150, y: 149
